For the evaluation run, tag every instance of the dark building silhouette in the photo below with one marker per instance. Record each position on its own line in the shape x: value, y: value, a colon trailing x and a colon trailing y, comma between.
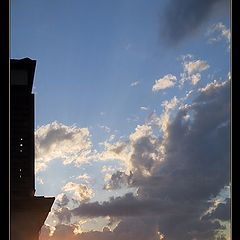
x: 27, y: 212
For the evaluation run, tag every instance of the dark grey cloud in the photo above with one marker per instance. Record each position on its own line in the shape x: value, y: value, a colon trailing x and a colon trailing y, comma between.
x: 62, y: 232
x: 63, y: 201
x: 128, y: 205
x: 55, y: 135
x: 183, y: 18
x: 131, y: 228
x: 222, y: 212
x: 63, y: 215
x: 118, y: 180
x: 195, y: 169
x: 175, y: 193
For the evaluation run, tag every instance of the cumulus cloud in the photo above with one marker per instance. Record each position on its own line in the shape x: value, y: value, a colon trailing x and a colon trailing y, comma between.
x: 59, y: 141
x: 167, y: 81
x: 192, y: 69
x: 140, y: 144
x: 183, y: 18
x: 115, y: 151
x: 141, y: 229
x: 63, y: 215
x: 170, y: 104
x: 211, y: 86
x: 118, y: 180
x: 61, y: 200
x: 174, y: 188
x: 81, y: 192
x: 85, y: 177
x: 196, y: 66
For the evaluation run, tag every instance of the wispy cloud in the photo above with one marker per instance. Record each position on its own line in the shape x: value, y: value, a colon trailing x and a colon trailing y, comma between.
x: 144, y: 108
x: 105, y: 128
x: 133, y: 84
x: 218, y: 32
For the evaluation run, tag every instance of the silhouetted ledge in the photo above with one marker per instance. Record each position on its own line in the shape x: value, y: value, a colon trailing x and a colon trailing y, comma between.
x: 27, y: 212
x: 22, y: 72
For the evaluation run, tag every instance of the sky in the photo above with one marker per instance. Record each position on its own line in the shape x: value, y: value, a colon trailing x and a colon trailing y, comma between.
x: 132, y: 116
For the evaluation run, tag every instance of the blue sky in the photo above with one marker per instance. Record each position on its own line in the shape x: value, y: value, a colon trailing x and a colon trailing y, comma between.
x: 97, y: 64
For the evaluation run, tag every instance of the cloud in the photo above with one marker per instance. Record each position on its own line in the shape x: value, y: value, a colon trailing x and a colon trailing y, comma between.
x: 192, y: 69
x: 219, y: 32
x: 133, y: 84
x: 81, y: 192
x: 118, y: 180
x: 183, y: 18
x: 211, y: 86
x: 165, y: 82
x: 108, y: 171
x: 61, y: 200
x: 140, y: 131
x: 123, y: 150
x: 196, y: 66
x: 59, y: 141
x: 62, y: 232
x: 63, y: 215
x: 85, y: 177
x: 168, y: 105
x: 141, y: 229
x: 105, y: 128
x: 115, y: 151
x: 174, y: 187
x: 144, y: 108
x: 221, y: 212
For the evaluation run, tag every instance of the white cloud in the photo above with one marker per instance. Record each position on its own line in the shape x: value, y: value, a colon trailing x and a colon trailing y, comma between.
x: 59, y: 141
x: 163, y: 120
x: 85, y: 177
x: 133, y: 84
x: 61, y: 200
x: 118, y: 150
x: 171, y: 104
x: 144, y: 108
x: 196, y: 78
x: 167, y: 81
x: 108, y: 169
x: 213, y: 85
x: 140, y: 131
x: 189, y: 93
x: 80, y: 192
x: 192, y: 69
